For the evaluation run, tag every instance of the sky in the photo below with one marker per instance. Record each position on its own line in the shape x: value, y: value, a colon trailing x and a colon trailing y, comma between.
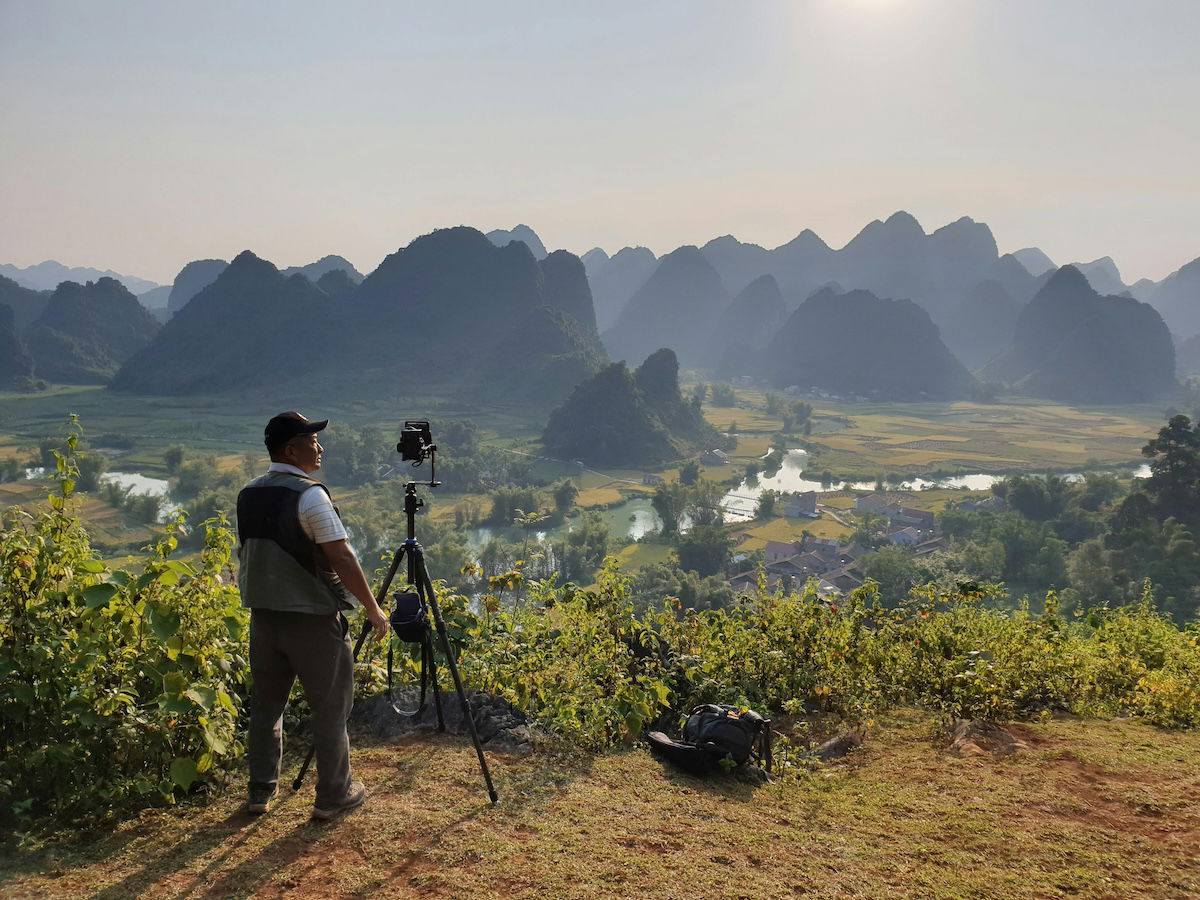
x: 136, y: 136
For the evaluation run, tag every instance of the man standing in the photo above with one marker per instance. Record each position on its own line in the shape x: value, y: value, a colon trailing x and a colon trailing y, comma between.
x: 297, y: 574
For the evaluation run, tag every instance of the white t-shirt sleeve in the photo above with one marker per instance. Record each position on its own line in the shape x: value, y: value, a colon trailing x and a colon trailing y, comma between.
x: 318, y: 518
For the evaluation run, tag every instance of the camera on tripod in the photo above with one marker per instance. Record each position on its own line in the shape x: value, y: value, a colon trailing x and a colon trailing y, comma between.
x: 416, y: 442
x: 416, y: 445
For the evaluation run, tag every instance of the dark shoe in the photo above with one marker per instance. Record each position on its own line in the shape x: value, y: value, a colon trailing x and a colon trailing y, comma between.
x: 260, y: 800
x: 353, y: 800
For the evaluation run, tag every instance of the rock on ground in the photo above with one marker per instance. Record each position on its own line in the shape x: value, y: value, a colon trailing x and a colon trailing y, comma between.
x: 972, y: 737
x: 500, y: 726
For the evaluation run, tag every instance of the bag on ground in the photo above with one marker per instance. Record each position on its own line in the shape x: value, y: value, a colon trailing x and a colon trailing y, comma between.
x: 716, y: 738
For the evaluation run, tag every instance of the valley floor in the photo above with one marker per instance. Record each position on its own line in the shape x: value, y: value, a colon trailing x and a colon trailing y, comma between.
x: 1092, y: 809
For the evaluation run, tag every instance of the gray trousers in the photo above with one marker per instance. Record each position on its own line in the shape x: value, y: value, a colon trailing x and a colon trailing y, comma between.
x: 284, y: 645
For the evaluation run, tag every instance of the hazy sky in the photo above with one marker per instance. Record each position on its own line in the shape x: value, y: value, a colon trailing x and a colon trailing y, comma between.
x: 140, y: 135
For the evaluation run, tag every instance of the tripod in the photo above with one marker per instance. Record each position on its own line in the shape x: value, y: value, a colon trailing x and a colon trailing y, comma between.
x: 418, y: 578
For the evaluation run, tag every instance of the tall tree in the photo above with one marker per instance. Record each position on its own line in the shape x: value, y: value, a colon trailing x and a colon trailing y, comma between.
x: 1174, y: 482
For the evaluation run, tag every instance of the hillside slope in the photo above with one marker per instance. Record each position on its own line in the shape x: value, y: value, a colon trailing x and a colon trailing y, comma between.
x: 1091, y: 809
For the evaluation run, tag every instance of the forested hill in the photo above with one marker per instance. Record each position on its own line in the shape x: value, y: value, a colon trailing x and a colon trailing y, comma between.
x: 620, y: 418
x: 87, y: 331
x: 857, y: 343
x: 451, y: 307
x: 15, y: 362
x: 250, y: 326
x: 26, y: 304
x: 1074, y: 345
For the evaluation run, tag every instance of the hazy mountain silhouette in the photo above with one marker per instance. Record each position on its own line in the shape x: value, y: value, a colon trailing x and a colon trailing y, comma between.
x: 86, y: 331
x: 191, y: 280
x: 156, y: 302
x: 16, y: 364
x: 745, y: 326
x: 1035, y: 261
x: 738, y: 263
x: 594, y: 259
x: 676, y: 307
x: 614, y: 281
x: 1143, y: 289
x: 893, y: 258
x: 982, y: 325
x: 1074, y: 345
x: 48, y: 275
x: 1016, y: 280
x: 451, y: 308
x: 250, y: 326
x: 1177, y: 298
x: 332, y: 263
x: 1187, y: 357
x: 522, y: 233
x: 857, y: 343
x: 1102, y: 274
x: 565, y: 287
x: 26, y: 303
x: 337, y: 283
x: 479, y: 314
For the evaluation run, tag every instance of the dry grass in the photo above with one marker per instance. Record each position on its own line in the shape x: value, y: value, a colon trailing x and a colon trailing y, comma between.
x: 784, y: 529
x: 1097, y: 809
x: 638, y: 556
x: 1021, y: 434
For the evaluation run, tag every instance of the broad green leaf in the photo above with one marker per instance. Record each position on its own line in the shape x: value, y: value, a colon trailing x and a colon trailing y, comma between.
x: 203, y: 697
x: 175, y: 704
x: 92, y: 565
x: 216, y: 743
x: 174, y: 683
x: 98, y: 595
x: 183, y: 772
x: 163, y: 622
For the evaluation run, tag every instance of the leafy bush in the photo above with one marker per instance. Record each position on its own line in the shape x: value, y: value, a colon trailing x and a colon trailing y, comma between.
x: 588, y: 665
x: 116, y: 688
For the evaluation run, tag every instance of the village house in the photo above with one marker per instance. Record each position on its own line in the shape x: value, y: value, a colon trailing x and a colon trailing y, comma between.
x: 905, y: 537
x: 802, y: 505
x: 714, y: 458
x: 921, y: 519
x: 873, y: 503
x: 652, y: 480
x: 775, y: 551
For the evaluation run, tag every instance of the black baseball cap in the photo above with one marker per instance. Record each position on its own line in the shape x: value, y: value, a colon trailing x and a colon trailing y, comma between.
x: 287, y: 425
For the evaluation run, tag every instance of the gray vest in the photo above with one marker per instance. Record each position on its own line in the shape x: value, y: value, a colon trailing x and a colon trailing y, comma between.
x: 279, y: 566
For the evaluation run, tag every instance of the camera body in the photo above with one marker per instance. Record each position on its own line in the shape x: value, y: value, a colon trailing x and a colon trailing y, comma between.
x: 416, y: 442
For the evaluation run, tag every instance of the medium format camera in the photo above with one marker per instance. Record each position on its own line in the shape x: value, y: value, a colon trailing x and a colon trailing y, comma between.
x: 416, y: 442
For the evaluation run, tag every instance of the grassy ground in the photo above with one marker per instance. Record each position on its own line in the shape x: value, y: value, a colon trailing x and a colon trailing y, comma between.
x: 1093, y: 809
x: 784, y: 529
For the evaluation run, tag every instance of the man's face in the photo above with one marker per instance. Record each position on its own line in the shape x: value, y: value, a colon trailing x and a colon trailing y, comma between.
x: 304, y: 452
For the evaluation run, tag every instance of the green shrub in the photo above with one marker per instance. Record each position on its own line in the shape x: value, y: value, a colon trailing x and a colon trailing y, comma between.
x: 117, y: 688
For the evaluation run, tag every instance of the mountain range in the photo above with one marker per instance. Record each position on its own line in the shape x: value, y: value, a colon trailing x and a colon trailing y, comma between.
x: 450, y: 308
x: 1076, y: 345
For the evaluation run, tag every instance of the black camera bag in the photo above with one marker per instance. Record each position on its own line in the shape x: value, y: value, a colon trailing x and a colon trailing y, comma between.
x: 717, y: 737
x: 409, y: 618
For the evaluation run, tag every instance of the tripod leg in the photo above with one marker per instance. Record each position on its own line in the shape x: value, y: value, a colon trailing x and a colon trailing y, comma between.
x: 462, y: 697
x: 437, y: 691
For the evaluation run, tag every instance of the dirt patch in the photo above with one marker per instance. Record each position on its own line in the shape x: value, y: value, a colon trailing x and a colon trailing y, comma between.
x: 976, y: 738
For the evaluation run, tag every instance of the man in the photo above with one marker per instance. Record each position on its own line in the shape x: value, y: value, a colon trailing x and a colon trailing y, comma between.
x: 297, y: 573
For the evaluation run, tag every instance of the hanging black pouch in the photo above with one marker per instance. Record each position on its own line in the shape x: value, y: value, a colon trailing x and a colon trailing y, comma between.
x: 409, y: 619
